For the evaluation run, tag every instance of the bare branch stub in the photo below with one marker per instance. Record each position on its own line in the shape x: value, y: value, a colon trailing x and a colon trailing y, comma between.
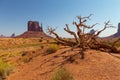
x: 84, y: 40
x: 71, y: 32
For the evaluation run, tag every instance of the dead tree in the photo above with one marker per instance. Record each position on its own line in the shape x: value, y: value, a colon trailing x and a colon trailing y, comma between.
x: 84, y: 40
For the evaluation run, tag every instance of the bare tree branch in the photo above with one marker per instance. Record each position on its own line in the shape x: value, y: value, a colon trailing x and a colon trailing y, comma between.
x: 71, y: 32
x: 107, y: 25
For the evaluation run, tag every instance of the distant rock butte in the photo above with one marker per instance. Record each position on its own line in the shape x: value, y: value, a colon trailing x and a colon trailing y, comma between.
x: 2, y: 36
x: 34, y: 31
x: 34, y: 26
x: 116, y: 35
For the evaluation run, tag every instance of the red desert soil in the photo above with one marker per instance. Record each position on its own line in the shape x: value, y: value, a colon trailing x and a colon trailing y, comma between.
x: 96, y: 66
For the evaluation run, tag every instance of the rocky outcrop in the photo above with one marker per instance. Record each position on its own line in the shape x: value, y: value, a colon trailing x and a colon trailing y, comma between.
x: 13, y: 35
x: 34, y: 31
x: 118, y: 28
x: 2, y: 36
x: 116, y: 35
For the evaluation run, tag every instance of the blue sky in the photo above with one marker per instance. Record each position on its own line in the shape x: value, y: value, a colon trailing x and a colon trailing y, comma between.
x: 14, y: 14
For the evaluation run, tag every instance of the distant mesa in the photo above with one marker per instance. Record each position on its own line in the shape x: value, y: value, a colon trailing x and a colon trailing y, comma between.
x: 13, y: 35
x: 2, y: 36
x: 92, y: 31
x: 116, y: 35
x: 34, y: 31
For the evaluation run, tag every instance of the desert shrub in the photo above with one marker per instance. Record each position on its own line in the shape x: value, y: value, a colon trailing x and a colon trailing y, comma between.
x: 26, y: 59
x: 62, y: 74
x: 107, y: 42
x: 40, y: 40
x: 47, y: 41
x: 52, y: 48
x: 5, y: 69
x: 41, y: 37
x: 41, y: 46
x: 111, y: 43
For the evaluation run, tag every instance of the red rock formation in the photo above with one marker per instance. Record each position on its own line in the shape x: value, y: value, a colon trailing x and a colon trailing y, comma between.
x: 116, y: 35
x: 33, y: 31
x: 118, y: 28
x: 34, y: 26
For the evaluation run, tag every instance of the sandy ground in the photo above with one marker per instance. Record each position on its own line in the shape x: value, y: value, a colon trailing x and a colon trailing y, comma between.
x: 96, y: 66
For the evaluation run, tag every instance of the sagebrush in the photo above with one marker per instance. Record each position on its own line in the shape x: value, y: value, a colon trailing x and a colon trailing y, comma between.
x: 62, y: 74
x: 5, y: 69
x: 52, y: 48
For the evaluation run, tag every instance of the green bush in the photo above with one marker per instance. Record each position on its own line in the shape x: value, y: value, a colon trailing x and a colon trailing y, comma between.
x: 52, y: 48
x: 62, y: 74
x: 5, y: 69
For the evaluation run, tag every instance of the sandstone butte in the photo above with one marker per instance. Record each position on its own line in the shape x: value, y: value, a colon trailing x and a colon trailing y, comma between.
x: 116, y: 35
x: 34, y: 30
